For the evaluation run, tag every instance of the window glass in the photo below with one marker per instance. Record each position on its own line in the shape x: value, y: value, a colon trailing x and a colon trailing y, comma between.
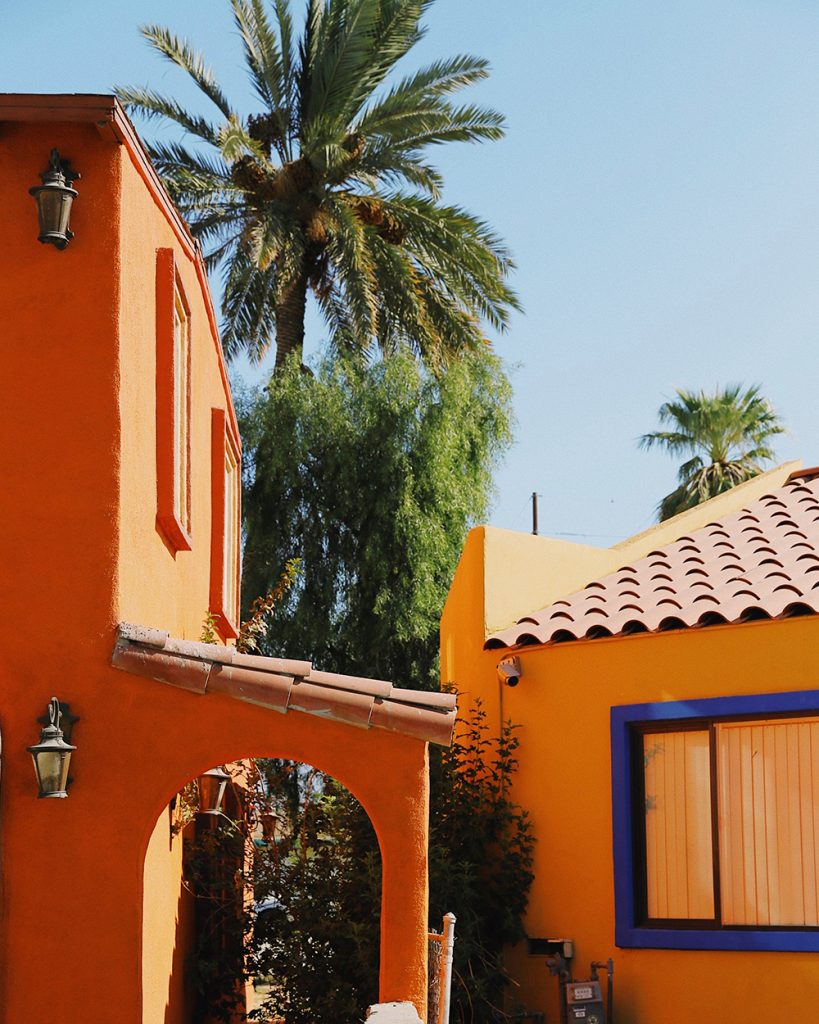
x: 768, y: 774
x: 678, y: 843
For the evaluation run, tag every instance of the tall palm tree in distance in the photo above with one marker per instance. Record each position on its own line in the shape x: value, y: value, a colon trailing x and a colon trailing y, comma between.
x: 328, y: 188
x: 724, y: 437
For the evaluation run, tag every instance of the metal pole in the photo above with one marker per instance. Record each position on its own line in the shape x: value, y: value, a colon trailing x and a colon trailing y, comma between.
x: 447, y: 953
x: 534, y: 513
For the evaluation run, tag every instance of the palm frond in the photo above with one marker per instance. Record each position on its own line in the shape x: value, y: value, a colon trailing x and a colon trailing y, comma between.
x: 675, y: 442
x: 203, y: 172
x: 287, y: 50
x: 384, y: 166
x: 180, y: 53
x: 349, y: 251
x: 420, y: 90
x: 262, y: 55
x: 235, y: 141
x: 461, y: 251
x: 248, y: 308
x: 397, y: 30
x: 152, y: 104
x: 348, y: 36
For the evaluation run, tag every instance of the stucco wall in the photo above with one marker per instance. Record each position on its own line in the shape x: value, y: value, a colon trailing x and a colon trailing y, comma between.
x: 79, y: 551
x: 58, y: 459
x: 167, y: 922
x: 157, y: 586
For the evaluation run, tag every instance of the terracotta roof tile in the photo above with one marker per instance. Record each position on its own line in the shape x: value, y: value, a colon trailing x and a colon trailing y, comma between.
x: 759, y: 562
x: 283, y: 685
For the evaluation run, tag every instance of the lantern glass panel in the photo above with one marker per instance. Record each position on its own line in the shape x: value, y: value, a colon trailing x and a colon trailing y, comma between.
x: 52, y: 771
x: 54, y: 210
x: 211, y: 792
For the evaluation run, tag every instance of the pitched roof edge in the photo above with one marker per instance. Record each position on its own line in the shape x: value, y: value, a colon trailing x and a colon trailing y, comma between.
x: 284, y: 685
x: 758, y: 561
x: 700, y: 515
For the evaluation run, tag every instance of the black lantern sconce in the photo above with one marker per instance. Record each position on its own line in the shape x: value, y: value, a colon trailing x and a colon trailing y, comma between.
x: 212, y: 785
x: 52, y: 755
x: 54, y: 199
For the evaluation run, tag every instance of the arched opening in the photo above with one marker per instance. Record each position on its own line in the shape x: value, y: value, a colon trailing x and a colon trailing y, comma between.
x: 268, y: 903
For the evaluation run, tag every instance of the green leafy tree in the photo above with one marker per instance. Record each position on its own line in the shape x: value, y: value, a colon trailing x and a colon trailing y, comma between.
x: 318, y: 879
x: 724, y: 437
x: 371, y: 476
x: 328, y: 187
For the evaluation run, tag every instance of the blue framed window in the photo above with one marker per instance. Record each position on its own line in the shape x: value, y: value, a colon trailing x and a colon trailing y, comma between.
x: 716, y: 823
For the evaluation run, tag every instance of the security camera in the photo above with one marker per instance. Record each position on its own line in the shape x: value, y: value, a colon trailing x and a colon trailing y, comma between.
x: 509, y: 671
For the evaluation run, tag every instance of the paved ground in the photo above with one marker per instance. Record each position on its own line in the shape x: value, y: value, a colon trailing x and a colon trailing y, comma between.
x: 256, y: 996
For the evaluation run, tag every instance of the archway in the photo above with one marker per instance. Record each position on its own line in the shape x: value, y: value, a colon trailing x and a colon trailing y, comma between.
x: 270, y: 901
x: 219, y: 706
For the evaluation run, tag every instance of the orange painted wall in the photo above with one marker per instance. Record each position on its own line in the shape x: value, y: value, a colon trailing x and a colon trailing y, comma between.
x: 79, y: 551
x: 562, y: 706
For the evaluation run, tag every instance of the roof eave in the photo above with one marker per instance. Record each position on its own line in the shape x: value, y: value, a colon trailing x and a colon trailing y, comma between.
x: 284, y: 685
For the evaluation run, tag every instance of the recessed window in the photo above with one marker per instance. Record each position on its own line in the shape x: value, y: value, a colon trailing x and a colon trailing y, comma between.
x: 230, y: 575
x: 173, y: 403
x: 181, y: 383
x: 716, y: 823
x: 226, y: 525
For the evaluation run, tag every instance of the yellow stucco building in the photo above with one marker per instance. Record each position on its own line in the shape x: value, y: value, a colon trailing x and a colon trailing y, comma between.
x: 667, y: 698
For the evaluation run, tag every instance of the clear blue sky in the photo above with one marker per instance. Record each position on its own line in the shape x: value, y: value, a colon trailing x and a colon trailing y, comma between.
x: 659, y: 187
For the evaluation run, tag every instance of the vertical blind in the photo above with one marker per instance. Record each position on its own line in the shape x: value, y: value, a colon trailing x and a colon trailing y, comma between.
x: 768, y: 783
x: 679, y: 864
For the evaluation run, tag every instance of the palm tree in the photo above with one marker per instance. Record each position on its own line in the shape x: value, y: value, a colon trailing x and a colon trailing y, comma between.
x: 725, y: 436
x: 328, y: 189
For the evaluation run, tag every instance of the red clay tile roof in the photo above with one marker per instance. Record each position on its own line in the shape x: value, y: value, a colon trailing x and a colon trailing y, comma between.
x: 284, y: 685
x: 759, y: 563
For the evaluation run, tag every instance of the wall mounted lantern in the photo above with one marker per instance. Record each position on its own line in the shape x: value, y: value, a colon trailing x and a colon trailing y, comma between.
x: 269, y: 820
x: 54, y: 199
x: 212, y: 786
x: 52, y: 755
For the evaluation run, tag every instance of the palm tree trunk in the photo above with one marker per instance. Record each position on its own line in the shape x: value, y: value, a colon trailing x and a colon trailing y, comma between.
x: 290, y: 312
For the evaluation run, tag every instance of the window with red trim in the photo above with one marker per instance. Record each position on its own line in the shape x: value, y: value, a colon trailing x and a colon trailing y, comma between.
x: 225, y: 525
x: 173, y: 404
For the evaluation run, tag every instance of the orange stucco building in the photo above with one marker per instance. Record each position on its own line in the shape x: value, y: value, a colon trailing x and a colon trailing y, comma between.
x: 120, y: 469
x: 667, y: 696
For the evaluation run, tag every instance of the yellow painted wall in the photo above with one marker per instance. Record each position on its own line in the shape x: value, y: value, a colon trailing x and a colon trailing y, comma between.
x: 167, y: 918
x: 562, y: 706
x: 157, y: 587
